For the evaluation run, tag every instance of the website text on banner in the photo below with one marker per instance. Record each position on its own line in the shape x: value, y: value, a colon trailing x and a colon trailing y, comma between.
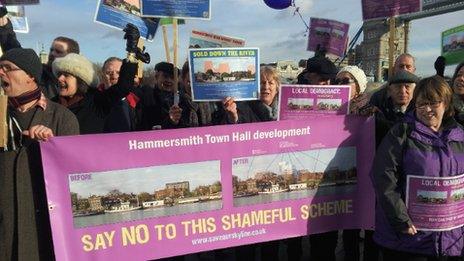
x: 147, y: 195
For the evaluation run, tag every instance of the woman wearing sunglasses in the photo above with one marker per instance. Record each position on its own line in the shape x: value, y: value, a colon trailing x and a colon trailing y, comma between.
x: 428, y: 143
x: 356, y: 78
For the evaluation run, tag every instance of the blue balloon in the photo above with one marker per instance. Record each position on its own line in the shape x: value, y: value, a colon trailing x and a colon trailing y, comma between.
x: 278, y: 4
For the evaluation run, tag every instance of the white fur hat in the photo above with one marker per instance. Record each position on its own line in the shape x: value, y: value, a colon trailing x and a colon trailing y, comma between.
x: 358, y: 74
x: 78, y: 66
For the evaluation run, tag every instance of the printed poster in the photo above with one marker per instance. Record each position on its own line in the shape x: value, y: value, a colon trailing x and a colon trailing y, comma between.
x: 372, y: 9
x: 328, y: 34
x: 117, y: 14
x: 199, y: 39
x: 184, y: 9
x: 155, y: 194
x: 303, y: 101
x: 435, y: 203
x: 452, y: 42
x: 17, y: 15
x: 216, y: 73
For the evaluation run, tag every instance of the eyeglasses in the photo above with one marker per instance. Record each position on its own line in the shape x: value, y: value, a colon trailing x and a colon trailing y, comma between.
x: 7, y: 68
x: 344, y: 81
x: 431, y: 104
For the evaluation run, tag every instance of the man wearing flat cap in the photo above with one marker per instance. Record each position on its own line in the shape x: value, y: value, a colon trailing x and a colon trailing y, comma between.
x: 24, y: 225
x: 400, y: 92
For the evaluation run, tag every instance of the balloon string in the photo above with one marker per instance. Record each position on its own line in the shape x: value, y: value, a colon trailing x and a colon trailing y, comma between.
x: 297, y: 11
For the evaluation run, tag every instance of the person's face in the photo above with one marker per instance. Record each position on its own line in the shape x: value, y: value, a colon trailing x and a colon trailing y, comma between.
x: 316, y: 79
x: 164, y: 81
x: 111, y: 72
x: 346, y: 78
x: 269, y: 89
x: 430, y: 113
x: 57, y: 50
x: 401, y: 93
x: 404, y: 63
x: 458, y: 84
x: 14, y: 80
x: 67, y: 84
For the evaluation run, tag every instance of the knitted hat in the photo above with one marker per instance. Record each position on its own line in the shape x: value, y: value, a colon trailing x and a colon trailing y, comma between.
x: 78, y: 66
x: 403, y: 77
x: 26, y: 59
x: 358, y: 75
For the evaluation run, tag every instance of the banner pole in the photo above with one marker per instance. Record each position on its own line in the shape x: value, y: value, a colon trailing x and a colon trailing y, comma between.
x: 391, y: 46
x: 166, y: 44
x: 176, y: 74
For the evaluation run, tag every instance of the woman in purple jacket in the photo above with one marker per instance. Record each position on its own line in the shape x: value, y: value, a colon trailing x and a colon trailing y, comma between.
x: 429, y: 143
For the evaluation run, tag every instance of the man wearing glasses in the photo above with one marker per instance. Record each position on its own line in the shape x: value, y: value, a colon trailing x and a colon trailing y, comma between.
x: 24, y: 223
x: 60, y: 47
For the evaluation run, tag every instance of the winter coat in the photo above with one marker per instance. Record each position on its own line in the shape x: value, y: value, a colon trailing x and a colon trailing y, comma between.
x: 411, y: 148
x: 155, y: 105
x: 458, y: 105
x: 24, y: 222
x: 92, y: 110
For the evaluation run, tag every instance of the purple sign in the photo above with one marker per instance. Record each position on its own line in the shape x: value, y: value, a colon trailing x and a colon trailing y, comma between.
x: 155, y: 194
x: 303, y: 101
x: 435, y: 203
x: 328, y: 34
x: 386, y: 8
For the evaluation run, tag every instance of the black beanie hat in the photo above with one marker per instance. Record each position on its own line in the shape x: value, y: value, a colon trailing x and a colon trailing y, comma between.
x: 26, y: 59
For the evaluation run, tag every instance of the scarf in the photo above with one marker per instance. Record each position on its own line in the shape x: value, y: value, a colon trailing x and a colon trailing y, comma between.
x: 24, y: 98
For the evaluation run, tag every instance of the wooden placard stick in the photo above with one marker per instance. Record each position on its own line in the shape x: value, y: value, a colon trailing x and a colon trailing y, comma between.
x: 176, y: 73
x: 166, y: 44
x: 3, y: 120
x: 140, y: 63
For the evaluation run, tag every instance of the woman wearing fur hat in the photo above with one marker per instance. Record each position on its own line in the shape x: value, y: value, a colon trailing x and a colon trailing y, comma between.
x: 77, y: 81
x: 356, y: 78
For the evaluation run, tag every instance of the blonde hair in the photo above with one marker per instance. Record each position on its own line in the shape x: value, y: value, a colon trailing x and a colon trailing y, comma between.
x: 269, y: 72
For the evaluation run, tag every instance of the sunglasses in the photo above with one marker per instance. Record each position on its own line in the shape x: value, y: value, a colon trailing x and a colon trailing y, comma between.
x: 344, y: 81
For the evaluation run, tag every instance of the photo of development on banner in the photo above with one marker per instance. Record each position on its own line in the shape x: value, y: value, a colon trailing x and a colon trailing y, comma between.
x: 17, y: 15
x: 302, y: 101
x: 435, y: 203
x: 294, y: 175
x: 135, y: 194
x: 188, y: 9
x: 453, y: 45
x: 117, y: 13
x: 224, y: 72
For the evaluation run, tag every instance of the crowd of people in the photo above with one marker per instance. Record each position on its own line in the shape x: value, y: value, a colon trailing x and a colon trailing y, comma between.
x: 418, y: 131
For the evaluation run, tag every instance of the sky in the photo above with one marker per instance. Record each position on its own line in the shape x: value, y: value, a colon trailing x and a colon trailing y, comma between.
x: 312, y: 160
x: 279, y: 34
x: 148, y: 179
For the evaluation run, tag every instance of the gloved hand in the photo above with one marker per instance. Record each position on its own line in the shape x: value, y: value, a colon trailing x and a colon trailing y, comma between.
x: 141, y: 55
x: 132, y: 36
x: 3, y: 11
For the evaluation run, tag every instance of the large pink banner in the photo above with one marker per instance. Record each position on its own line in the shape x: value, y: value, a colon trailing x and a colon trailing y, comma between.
x: 148, y: 195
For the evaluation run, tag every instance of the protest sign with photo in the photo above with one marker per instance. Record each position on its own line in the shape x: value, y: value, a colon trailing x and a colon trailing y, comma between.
x: 117, y: 14
x: 149, y: 195
x: 435, y: 203
x: 379, y: 9
x: 216, y: 73
x: 186, y: 9
x: 17, y: 15
x: 452, y: 45
x: 330, y: 35
x: 303, y: 101
x: 199, y: 39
